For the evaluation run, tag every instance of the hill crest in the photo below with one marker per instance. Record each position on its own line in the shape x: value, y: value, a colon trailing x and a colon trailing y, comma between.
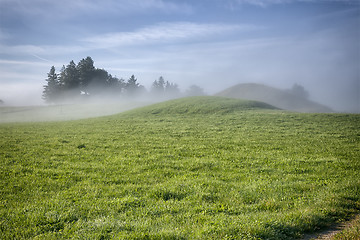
x: 201, y: 105
x: 279, y: 98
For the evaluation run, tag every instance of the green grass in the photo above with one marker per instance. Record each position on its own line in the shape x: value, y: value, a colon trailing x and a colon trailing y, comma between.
x: 351, y: 231
x: 195, y: 168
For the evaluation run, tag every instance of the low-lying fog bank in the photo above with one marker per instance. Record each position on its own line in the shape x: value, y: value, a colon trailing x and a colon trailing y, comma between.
x: 64, y: 112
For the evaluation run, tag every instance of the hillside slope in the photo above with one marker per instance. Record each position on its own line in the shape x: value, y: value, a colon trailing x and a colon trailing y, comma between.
x: 201, y: 105
x: 276, y: 97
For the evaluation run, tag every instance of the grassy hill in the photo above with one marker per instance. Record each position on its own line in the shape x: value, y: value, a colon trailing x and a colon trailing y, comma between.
x: 276, y: 97
x: 202, y: 105
x: 192, y: 168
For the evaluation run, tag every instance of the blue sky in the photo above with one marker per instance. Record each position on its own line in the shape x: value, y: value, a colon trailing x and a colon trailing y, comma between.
x: 212, y: 43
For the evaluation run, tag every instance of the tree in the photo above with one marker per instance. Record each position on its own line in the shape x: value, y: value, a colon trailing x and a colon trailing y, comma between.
x: 70, y: 78
x: 115, y: 85
x: 51, y: 90
x: 158, y: 86
x: 132, y: 86
x: 195, y: 90
x: 86, y: 71
x: 299, y: 91
x: 99, y: 81
x: 84, y: 79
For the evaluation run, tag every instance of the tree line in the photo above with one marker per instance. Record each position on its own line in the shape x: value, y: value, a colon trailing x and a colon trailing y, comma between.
x: 83, y: 80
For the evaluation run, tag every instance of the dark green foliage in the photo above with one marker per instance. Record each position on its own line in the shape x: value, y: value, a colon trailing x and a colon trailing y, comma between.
x: 86, y: 73
x: 69, y: 78
x: 99, y: 81
x: 75, y: 81
x: 52, y: 89
x: 197, y: 168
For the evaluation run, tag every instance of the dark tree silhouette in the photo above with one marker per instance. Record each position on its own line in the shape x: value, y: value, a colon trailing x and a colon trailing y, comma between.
x: 99, y: 82
x: 69, y: 78
x: 86, y: 71
x: 52, y: 89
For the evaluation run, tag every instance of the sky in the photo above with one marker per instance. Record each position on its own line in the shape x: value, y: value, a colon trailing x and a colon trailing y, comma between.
x: 214, y: 44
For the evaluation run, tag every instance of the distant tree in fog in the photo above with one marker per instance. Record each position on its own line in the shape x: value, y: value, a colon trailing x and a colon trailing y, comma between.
x: 299, y: 91
x: 1, y: 102
x: 160, y: 88
x: 115, y: 85
x: 132, y: 87
x: 52, y: 89
x: 195, y: 90
x: 172, y: 89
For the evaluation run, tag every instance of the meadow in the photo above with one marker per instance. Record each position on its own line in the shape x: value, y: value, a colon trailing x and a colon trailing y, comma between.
x: 192, y: 168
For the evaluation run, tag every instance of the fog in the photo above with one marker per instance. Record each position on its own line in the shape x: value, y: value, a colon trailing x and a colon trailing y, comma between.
x: 337, y: 96
x: 63, y: 112
x: 276, y: 43
x: 26, y: 105
x: 30, y: 107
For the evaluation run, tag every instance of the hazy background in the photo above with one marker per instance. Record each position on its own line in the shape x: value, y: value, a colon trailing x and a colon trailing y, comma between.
x: 212, y: 43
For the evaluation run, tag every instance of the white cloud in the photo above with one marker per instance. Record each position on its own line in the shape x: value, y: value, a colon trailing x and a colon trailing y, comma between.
x: 162, y: 33
x: 21, y: 49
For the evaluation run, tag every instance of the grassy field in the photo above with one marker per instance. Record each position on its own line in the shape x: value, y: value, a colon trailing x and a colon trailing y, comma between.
x: 194, y: 168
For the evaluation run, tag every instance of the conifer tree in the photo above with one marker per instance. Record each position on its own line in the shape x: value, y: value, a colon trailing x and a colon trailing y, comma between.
x: 99, y: 82
x: 132, y: 85
x: 158, y: 86
x: 70, y: 81
x: 86, y: 71
x: 51, y: 90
